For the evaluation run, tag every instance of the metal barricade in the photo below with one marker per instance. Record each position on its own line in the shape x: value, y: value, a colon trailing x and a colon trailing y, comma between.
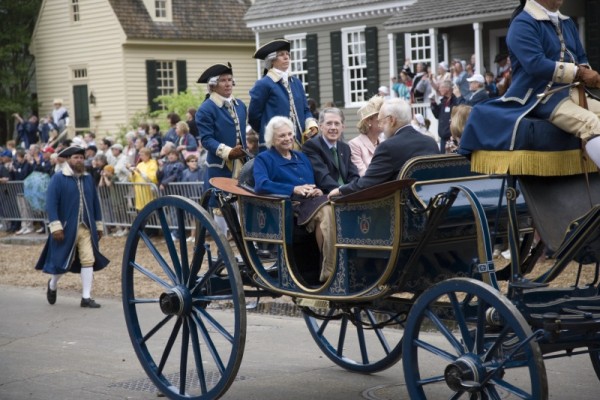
x: 190, y: 190
x: 121, y: 202
x: 15, y: 207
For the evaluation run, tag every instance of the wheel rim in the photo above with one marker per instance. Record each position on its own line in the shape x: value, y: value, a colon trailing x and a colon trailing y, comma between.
x: 184, y: 308
x: 357, y: 338
x: 464, y: 340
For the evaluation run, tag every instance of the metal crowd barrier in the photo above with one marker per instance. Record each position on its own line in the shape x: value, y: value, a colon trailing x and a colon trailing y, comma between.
x: 15, y: 207
x: 120, y: 203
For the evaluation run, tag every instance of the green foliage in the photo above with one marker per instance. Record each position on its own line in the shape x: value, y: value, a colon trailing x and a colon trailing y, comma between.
x: 16, y: 63
x: 178, y: 103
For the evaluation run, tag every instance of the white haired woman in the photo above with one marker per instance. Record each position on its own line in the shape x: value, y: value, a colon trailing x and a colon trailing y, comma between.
x: 282, y: 170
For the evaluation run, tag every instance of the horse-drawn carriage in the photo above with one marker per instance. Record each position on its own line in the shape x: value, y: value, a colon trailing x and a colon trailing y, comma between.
x: 414, y: 280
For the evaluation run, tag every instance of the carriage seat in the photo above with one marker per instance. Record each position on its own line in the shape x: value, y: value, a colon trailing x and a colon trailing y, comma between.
x: 536, y: 134
x: 436, y: 174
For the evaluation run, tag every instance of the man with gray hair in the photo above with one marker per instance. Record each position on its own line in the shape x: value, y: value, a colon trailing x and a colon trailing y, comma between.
x: 402, y: 143
x: 278, y: 93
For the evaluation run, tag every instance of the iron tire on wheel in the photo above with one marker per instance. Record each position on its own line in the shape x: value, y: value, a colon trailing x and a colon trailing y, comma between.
x: 366, y: 348
x: 464, y: 339
x: 189, y: 332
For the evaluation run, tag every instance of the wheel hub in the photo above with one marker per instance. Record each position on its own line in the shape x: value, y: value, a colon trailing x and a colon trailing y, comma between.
x: 175, y: 301
x: 464, y: 375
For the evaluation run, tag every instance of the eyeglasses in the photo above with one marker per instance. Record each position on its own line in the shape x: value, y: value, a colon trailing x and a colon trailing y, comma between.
x: 380, y: 120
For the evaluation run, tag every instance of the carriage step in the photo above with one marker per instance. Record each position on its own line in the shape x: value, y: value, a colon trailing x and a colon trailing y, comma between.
x: 525, y: 284
x: 314, y: 303
x: 573, y: 320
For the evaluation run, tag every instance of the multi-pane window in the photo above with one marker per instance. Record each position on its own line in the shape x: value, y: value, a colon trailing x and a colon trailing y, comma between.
x: 354, y: 55
x: 160, y: 7
x: 165, y: 77
x: 79, y: 73
x: 75, y: 16
x: 298, y: 56
x: 420, y: 48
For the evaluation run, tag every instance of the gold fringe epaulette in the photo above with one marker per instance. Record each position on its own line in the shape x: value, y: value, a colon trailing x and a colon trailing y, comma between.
x: 527, y: 162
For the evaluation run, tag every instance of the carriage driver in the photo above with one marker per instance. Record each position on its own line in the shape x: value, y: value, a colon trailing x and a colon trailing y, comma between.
x: 221, y: 121
x: 546, y: 54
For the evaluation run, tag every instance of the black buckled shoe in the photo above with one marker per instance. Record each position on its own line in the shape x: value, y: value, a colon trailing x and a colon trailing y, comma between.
x: 89, y: 303
x: 50, y: 294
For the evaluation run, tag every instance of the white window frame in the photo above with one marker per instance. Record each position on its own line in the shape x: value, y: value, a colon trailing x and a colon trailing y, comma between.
x: 355, y: 73
x: 166, y: 77
x: 160, y: 9
x: 298, y: 56
x: 419, y: 48
x: 75, y: 11
x: 79, y: 73
x: 162, y: 12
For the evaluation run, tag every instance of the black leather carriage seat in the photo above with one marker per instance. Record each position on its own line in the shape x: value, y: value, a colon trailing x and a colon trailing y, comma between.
x: 540, y: 135
x: 436, y: 174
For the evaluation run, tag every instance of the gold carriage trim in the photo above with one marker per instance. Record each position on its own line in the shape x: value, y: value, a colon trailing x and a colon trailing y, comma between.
x: 527, y: 162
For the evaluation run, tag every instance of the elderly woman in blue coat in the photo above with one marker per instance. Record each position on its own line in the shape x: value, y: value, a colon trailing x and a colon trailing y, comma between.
x: 278, y: 93
x: 284, y: 171
x: 73, y: 210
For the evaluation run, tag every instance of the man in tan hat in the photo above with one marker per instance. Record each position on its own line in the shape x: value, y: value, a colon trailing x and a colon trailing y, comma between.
x: 60, y: 115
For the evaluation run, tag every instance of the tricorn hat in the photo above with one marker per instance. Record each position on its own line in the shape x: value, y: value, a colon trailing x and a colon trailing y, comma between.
x: 71, y: 150
x: 215, y: 70
x: 272, y: 47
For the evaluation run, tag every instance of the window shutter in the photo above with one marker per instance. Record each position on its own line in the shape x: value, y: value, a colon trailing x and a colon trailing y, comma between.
x: 151, y: 84
x: 400, y: 51
x: 181, y: 76
x: 312, y: 69
x: 337, y: 68
x: 372, y: 61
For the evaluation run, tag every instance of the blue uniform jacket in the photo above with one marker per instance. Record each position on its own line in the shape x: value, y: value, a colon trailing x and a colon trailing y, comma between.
x: 534, y: 53
x: 269, y: 98
x: 274, y: 174
x: 62, y: 204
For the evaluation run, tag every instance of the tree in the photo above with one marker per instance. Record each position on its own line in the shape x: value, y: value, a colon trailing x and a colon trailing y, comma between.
x: 17, y: 68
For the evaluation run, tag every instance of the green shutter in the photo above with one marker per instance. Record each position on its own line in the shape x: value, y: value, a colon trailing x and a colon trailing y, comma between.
x: 372, y: 61
x: 81, y: 106
x: 400, y: 51
x: 312, y: 67
x: 151, y: 84
x: 337, y: 68
x: 181, y: 76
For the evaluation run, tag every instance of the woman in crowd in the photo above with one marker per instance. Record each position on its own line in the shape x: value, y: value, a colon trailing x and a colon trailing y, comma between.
x: 284, y: 171
x: 186, y: 142
x: 362, y: 147
x: 144, y: 172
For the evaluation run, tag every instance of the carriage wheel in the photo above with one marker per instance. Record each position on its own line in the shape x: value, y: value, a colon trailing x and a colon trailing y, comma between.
x: 185, y: 312
x: 464, y: 340
x: 357, y: 338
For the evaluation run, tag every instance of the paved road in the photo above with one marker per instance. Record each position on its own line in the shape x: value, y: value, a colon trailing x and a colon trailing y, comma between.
x: 66, y: 352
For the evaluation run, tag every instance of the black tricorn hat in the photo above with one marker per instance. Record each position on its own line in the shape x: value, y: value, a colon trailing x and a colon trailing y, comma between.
x: 71, y: 150
x: 215, y: 70
x: 272, y: 47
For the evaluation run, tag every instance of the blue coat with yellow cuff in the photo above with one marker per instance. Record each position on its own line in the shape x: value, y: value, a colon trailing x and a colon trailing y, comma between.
x: 535, y: 56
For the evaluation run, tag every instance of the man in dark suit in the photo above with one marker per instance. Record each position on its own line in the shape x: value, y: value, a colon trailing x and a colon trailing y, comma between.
x: 328, y: 154
x: 402, y: 143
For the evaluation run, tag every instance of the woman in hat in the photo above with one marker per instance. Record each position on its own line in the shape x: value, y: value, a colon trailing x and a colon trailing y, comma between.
x: 60, y: 115
x: 278, y: 93
x: 362, y: 147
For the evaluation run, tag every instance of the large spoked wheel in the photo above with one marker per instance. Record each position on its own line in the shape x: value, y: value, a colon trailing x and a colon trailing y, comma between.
x: 464, y: 340
x: 357, y: 338
x: 185, y: 312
